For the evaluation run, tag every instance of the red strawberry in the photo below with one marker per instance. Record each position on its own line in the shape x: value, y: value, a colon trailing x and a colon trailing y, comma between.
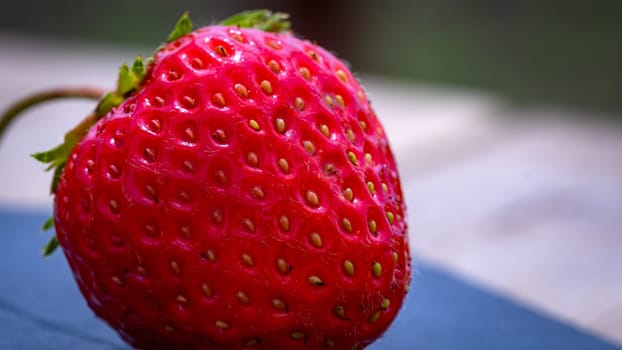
x: 242, y: 194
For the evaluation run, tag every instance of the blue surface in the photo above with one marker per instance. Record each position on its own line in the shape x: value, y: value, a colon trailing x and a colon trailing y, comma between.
x: 41, y: 308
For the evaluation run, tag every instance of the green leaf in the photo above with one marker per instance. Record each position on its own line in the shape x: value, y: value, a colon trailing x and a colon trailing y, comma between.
x: 50, y: 247
x: 58, y: 155
x: 50, y: 156
x: 260, y: 19
x: 130, y: 79
x: 109, y: 101
x: 125, y: 82
x: 48, y: 224
x: 183, y: 27
x: 246, y: 19
x: 138, y: 70
x: 57, y: 172
x: 276, y: 23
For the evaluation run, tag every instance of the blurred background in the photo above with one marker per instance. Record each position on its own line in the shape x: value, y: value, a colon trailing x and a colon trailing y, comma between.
x: 505, y: 117
x: 553, y: 52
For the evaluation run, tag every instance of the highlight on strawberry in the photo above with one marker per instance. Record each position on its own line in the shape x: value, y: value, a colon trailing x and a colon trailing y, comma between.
x: 235, y: 190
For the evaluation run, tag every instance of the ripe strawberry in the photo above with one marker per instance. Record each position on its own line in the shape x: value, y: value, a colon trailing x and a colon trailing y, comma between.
x: 239, y: 192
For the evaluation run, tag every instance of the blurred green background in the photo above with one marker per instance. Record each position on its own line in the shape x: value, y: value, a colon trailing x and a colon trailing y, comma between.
x: 565, y: 53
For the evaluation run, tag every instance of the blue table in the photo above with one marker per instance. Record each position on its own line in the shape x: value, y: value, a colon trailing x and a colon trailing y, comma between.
x: 41, y: 308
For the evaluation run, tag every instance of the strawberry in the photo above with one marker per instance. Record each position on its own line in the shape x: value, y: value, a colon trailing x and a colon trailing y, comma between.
x: 238, y: 191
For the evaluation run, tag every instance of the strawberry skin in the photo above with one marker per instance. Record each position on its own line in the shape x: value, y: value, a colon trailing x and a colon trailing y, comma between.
x: 244, y: 197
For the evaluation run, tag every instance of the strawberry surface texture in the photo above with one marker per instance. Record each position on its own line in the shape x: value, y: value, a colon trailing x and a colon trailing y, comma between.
x: 243, y: 196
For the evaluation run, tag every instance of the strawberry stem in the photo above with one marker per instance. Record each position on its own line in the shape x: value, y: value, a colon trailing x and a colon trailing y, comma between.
x: 54, y: 94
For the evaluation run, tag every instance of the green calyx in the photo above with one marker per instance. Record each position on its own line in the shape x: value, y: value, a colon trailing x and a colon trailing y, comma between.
x: 128, y: 81
x: 265, y: 20
x: 56, y: 158
x: 183, y: 27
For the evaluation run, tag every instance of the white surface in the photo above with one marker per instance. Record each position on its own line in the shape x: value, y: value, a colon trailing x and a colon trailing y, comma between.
x: 538, y: 216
